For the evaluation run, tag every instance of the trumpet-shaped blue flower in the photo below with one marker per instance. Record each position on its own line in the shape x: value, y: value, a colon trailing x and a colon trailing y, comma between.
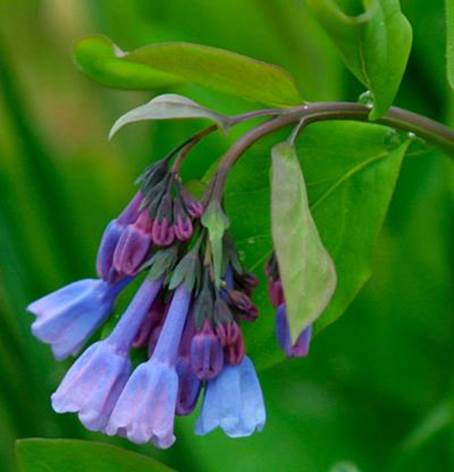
x: 145, y: 410
x: 234, y: 402
x: 94, y: 382
x: 66, y: 318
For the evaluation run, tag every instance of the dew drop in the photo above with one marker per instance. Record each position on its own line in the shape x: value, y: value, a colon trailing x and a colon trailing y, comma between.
x: 251, y: 241
x: 367, y: 98
x: 392, y: 139
x: 241, y: 255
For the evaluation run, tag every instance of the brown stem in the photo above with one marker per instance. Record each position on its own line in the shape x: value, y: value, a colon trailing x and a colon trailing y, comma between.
x: 398, y: 118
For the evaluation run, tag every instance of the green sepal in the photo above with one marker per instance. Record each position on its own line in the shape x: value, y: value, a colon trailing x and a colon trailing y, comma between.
x: 216, y: 221
x: 187, y: 272
x: 161, y: 262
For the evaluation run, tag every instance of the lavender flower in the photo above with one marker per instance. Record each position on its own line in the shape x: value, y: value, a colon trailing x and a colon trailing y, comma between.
x: 111, y: 236
x: 301, y: 346
x: 145, y: 410
x: 234, y: 402
x: 66, y: 318
x: 93, y: 383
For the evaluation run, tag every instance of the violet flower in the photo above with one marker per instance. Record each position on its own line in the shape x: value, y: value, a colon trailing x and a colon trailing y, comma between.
x: 93, y: 383
x: 67, y: 318
x: 145, y: 410
x: 134, y: 245
x: 111, y: 236
x: 301, y: 346
x: 234, y: 402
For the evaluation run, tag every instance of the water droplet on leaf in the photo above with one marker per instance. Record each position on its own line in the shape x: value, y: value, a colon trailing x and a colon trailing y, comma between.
x: 393, y: 139
x: 367, y: 98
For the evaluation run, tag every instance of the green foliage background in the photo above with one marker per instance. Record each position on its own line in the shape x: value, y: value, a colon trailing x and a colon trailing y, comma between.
x: 377, y: 390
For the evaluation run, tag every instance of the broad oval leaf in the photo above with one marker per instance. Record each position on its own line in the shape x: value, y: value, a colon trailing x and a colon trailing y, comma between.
x: 450, y: 41
x: 167, y: 64
x: 55, y: 455
x: 350, y: 174
x: 306, y: 269
x: 169, y: 107
x: 375, y: 45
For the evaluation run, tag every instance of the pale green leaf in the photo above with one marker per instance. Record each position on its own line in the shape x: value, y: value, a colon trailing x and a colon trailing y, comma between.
x: 306, y: 269
x: 374, y: 45
x: 168, y: 64
x: 169, y: 107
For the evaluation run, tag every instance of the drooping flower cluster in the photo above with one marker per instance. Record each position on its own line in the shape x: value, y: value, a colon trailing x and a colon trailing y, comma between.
x: 301, y: 347
x: 186, y: 324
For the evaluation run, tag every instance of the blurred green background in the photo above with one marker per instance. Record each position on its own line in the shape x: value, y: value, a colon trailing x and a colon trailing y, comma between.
x: 377, y: 391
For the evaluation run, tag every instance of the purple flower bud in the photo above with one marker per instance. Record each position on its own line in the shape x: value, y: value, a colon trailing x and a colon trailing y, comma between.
x: 244, y: 304
x: 207, y: 356
x: 233, y: 344
x: 301, y: 347
x: 189, y: 385
x: 111, y: 236
x: 234, y: 402
x: 193, y: 207
x: 163, y: 232
x: 182, y: 222
x: 276, y: 292
x: 131, y: 212
x: 104, y: 259
x: 145, y: 410
x: 94, y: 382
x: 134, y: 245
x: 68, y: 317
x: 152, y: 321
x: 247, y: 282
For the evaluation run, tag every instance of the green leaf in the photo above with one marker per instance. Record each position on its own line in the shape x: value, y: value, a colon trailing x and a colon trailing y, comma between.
x: 215, y: 220
x: 374, y: 45
x: 350, y: 174
x: 306, y: 269
x: 168, y: 64
x: 169, y: 107
x: 450, y: 41
x: 71, y: 455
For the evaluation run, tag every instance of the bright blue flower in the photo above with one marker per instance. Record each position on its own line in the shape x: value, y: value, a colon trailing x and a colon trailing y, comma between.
x: 301, y: 346
x: 65, y: 319
x: 234, y: 402
x: 145, y: 410
x: 94, y: 382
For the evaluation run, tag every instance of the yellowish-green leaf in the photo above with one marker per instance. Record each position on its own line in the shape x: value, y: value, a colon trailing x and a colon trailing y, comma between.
x: 306, y: 269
